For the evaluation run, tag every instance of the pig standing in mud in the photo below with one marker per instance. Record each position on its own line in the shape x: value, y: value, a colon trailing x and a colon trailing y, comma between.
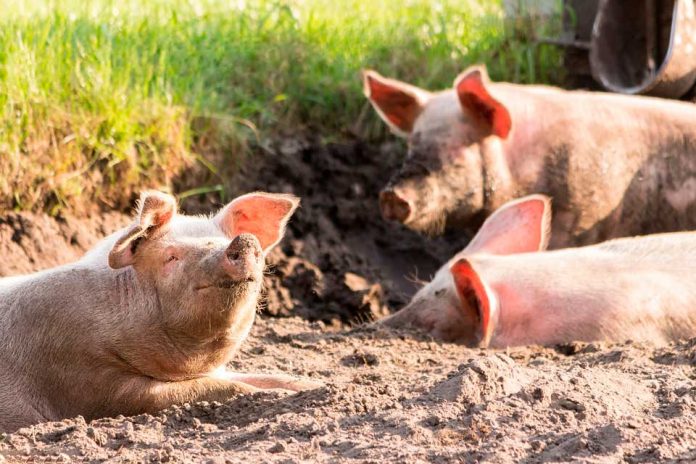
x: 503, y: 290
x: 614, y: 165
x: 146, y: 319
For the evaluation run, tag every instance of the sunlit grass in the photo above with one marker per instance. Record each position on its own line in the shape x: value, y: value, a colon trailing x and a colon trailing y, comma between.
x: 101, y: 98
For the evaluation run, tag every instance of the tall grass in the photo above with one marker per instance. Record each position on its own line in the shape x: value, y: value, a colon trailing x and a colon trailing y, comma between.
x: 101, y: 98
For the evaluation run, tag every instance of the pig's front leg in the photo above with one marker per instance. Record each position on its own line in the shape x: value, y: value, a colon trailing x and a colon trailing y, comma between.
x: 275, y: 382
x: 143, y: 395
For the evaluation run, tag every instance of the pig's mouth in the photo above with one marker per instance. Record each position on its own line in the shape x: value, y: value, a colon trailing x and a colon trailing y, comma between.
x: 226, y: 283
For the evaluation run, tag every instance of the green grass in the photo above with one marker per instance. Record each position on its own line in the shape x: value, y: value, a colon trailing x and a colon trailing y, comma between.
x: 102, y: 98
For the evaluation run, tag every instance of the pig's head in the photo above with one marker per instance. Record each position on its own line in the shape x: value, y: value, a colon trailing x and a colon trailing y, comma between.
x: 442, y: 181
x: 202, y: 274
x: 458, y: 304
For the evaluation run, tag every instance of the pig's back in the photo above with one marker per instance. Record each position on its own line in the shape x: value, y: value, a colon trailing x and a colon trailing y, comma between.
x: 671, y: 253
x: 657, y: 250
x: 575, y: 101
x: 589, y: 123
x: 641, y: 288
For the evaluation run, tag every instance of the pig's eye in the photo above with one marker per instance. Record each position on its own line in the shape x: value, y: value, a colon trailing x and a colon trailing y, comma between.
x: 171, y: 258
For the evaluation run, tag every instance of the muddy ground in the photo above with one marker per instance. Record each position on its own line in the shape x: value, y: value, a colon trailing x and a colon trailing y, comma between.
x: 388, y: 395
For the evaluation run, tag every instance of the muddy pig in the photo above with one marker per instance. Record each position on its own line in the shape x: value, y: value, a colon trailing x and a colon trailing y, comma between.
x: 614, y: 165
x: 503, y: 290
x: 146, y: 319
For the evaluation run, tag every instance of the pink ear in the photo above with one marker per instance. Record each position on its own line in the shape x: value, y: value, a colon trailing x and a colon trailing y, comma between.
x: 475, y: 98
x: 263, y: 215
x: 397, y: 103
x: 474, y: 296
x: 518, y: 226
x: 155, y: 212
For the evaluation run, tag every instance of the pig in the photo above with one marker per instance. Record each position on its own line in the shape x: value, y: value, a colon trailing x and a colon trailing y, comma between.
x: 615, y: 165
x: 148, y: 318
x: 504, y: 289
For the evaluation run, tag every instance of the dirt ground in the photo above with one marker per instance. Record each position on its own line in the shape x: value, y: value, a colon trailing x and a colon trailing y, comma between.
x: 393, y: 396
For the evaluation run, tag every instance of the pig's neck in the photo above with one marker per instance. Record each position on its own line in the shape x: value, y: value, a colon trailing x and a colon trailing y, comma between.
x: 177, y: 348
x: 512, y: 166
x: 171, y: 352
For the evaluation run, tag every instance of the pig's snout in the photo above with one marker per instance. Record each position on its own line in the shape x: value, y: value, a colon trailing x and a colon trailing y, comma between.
x: 243, y: 258
x: 244, y: 246
x: 395, y: 206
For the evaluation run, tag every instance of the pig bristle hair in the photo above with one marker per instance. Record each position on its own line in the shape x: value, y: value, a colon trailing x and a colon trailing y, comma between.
x: 268, y: 270
x: 137, y: 207
x: 364, y: 318
x: 262, y: 303
x: 414, y: 279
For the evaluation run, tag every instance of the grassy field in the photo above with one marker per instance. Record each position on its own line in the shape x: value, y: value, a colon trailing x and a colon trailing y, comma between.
x: 102, y: 98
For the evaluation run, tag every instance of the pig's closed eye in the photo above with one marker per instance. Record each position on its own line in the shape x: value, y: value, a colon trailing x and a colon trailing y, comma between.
x: 171, y: 255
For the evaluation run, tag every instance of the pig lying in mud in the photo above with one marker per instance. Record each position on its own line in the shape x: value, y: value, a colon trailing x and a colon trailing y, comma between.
x: 504, y: 290
x: 614, y: 165
x: 146, y: 319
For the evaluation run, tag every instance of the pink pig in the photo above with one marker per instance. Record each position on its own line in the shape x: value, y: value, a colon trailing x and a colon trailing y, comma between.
x: 615, y: 165
x: 148, y: 318
x: 504, y: 290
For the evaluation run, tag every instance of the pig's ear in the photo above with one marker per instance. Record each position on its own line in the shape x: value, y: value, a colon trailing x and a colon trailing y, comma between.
x: 155, y: 211
x: 475, y: 297
x: 263, y: 215
x: 519, y: 226
x: 397, y: 103
x: 472, y: 89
